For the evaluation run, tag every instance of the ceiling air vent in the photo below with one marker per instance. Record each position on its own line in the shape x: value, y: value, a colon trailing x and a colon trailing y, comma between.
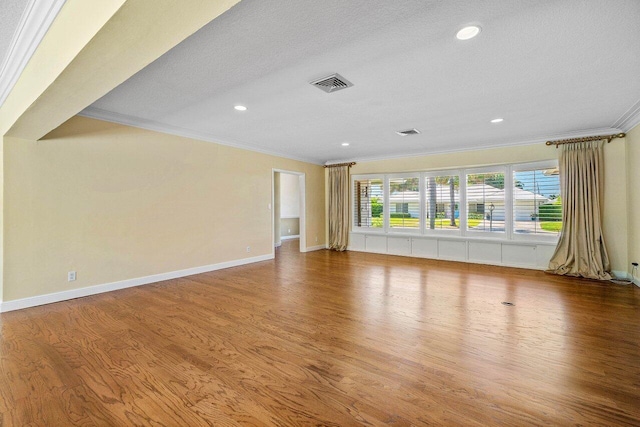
x: 332, y: 83
x: 413, y: 131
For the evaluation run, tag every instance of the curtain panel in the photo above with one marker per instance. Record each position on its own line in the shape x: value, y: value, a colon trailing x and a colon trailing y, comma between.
x: 338, y: 208
x: 581, y: 250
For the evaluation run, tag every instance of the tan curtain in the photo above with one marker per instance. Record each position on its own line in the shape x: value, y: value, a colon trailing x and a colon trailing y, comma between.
x: 581, y: 250
x: 338, y: 207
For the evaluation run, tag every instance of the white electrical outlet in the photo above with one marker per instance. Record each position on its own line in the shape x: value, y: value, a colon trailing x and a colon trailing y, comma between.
x: 71, y: 276
x: 316, y: 239
x: 288, y: 230
x: 248, y: 248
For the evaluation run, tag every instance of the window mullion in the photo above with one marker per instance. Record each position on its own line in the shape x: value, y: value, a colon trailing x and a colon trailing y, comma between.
x: 462, y: 208
x: 423, y: 210
x: 386, y: 208
x: 508, y: 202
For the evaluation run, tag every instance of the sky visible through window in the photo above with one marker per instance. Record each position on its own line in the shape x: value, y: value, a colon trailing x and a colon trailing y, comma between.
x: 539, y: 183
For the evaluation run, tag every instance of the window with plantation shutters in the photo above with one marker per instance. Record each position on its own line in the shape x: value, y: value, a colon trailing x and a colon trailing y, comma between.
x: 501, y: 202
x: 442, y: 202
x: 537, y: 205
x: 404, y: 203
x: 368, y: 203
x: 486, y: 201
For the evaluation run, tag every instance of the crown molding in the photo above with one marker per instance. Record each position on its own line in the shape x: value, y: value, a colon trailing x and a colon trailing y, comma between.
x: 123, y: 119
x: 538, y: 140
x: 34, y: 24
x: 109, y: 116
x: 630, y: 119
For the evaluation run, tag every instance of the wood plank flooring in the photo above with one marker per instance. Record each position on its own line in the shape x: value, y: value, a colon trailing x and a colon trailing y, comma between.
x: 332, y: 339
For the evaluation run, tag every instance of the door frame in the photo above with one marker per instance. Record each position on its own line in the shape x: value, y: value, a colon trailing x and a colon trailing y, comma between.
x: 302, y: 201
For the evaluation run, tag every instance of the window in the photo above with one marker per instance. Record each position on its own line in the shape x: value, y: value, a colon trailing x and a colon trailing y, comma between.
x: 368, y: 203
x: 442, y: 202
x: 486, y: 202
x: 537, y: 205
x: 512, y: 202
x: 404, y: 199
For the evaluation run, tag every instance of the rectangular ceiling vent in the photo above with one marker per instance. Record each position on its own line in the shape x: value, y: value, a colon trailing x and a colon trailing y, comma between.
x: 413, y: 131
x: 332, y: 83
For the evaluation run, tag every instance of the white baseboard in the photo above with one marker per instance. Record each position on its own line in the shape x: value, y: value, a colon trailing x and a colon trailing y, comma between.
x: 122, y: 284
x: 314, y: 248
x: 619, y: 274
x: 624, y: 275
x: 297, y: 236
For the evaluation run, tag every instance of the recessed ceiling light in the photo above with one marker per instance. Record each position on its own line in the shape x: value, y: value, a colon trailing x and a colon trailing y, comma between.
x: 498, y: 120
x: 240, y: 108
x: 468, y: 32
x: 345, y: 144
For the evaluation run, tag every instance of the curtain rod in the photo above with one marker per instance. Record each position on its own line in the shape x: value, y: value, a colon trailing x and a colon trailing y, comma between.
x: 335, y: 165
x: 586, y: 139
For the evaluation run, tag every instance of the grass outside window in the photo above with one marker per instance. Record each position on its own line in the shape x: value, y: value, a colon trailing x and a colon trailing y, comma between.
x: 554, y: 226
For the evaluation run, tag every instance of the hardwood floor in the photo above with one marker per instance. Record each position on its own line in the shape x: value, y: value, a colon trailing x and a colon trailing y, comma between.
x: 333, y: 339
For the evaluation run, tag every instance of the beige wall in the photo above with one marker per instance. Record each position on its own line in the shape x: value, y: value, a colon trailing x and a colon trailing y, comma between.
x: 277, y: 232
x: 633, y: 191
x: 114, y: 202
x: 289, y: 227
x: 289, y: 195
x: 615, y: 212
x: 289, y: 204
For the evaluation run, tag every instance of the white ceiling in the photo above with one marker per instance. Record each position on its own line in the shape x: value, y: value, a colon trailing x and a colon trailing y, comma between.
x: 549, y: 68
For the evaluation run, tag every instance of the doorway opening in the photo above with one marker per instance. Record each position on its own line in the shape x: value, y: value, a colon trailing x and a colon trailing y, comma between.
x: 288, y: 214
